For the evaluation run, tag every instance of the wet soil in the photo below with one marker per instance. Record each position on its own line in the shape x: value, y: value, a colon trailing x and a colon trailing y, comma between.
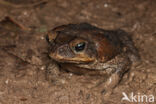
x: 24, y: 50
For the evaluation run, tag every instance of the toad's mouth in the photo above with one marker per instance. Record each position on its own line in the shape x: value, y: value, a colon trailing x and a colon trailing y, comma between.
x: 75, y: 60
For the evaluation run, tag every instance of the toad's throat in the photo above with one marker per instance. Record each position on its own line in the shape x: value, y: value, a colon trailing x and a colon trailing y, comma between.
x: 82, y: 70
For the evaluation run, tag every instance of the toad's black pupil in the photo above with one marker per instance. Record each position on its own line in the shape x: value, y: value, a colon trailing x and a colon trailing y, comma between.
x: 80, y: 47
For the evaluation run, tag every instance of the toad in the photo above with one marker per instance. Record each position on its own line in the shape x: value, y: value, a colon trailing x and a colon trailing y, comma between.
x: 86, y: 49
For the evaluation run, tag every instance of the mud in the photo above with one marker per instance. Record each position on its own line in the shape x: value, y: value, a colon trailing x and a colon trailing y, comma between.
x: 24, y: 50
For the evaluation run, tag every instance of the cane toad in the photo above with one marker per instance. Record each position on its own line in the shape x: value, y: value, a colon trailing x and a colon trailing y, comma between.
x: 86, y: 49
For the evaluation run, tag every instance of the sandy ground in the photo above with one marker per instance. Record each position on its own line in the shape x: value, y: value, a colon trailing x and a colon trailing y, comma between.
x: 24, y: 58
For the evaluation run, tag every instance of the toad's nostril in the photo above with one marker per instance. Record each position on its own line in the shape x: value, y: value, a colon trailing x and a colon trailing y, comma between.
x: 50, y: 42
x: 47, y: 38
x: 51, y: 36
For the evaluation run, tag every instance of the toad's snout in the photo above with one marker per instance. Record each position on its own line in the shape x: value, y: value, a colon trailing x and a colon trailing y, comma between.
x: 61, y: 53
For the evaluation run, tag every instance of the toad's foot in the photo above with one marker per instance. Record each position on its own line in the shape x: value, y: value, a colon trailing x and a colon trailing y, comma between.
x: 107, y: 87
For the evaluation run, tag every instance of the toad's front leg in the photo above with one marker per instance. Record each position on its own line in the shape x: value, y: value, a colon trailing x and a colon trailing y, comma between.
x: 52, y: 72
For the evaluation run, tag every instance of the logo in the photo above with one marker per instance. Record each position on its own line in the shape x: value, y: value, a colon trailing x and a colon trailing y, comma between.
x: 137, y: 97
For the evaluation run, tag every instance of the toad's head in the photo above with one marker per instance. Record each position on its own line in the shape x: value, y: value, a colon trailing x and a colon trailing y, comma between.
x: 80, y: 43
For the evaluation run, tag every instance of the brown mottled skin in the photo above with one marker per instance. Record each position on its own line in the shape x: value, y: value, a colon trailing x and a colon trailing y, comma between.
x: 86, y: 49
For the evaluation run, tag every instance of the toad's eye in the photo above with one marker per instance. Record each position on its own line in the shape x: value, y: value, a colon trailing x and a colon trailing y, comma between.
x: 80, y: 47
